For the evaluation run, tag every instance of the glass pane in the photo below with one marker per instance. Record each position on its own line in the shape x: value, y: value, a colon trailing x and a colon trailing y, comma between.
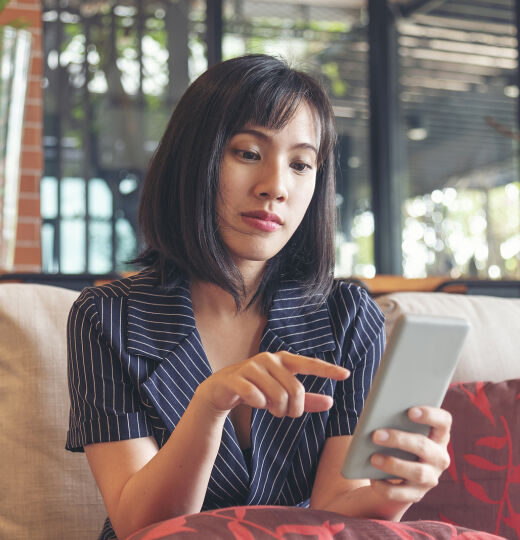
x: 48, y: 263
x: 329, y: 41
x: 99, y: 198
x: 72, y: 197
x: 504, y: 230
x: 72, y: 246
x: 100, y: 247
x: 15, y: 53
x: 49, y: 197
x: 126, y: 244
x: 458, y: 92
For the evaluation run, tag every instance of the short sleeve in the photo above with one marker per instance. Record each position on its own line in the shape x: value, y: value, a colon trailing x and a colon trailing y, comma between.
x: 105, y: 403
x: 362, y: 348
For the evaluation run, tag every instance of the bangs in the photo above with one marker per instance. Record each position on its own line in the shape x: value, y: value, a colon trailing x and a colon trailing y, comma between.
x: 275, y: 104
x: 272, y: 103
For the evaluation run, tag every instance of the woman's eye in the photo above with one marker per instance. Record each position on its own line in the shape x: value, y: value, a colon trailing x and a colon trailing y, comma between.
x: 248, y: 155
x: 300, y: 166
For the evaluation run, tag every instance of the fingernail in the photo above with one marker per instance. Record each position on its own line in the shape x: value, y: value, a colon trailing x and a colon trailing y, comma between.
x: 377, y: 460
x: 415, y: 412
x: 381, y: 435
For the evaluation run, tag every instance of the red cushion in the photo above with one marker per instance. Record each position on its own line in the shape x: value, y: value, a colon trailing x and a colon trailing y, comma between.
x: 289, y: 523
x: 481, y: 489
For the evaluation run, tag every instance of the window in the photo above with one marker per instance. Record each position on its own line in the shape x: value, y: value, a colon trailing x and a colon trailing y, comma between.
x: 458, y: 92
x: 113, y: 73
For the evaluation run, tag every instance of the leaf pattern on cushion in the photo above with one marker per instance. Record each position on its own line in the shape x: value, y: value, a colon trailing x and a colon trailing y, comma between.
x: 492, y: 442
x: 514, y: 523
x: 288, y: 523
x: 239, y: 531
x: 325, y: 531
x: 452, y: 469
x: 480, y: 400
x: 483, y: 463
x: 476, y: 490
x: 240, y: 512
x: 172, y: 526
x: 471, y: 535
x: 445, y: 519
x: 403, y: 530
x: 515, y: 475
x: 485, y: 440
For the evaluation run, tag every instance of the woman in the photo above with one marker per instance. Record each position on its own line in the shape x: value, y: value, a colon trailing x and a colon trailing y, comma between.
x: 232, y: 370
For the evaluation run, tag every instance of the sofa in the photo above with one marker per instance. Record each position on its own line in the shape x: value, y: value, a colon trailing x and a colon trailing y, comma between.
x: 49, y: 493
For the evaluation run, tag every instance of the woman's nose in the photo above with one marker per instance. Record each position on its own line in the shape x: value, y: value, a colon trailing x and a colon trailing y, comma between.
x: 273, y: 183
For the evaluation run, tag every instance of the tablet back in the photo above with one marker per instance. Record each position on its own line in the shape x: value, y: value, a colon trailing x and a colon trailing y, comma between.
x: 416, y: 369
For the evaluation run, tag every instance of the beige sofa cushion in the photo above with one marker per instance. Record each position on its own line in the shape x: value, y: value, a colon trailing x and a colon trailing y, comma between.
x: 492, y: 349
x: 46, y: 492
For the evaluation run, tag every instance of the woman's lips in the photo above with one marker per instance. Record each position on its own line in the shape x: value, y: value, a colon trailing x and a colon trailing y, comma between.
x: 263, y: 221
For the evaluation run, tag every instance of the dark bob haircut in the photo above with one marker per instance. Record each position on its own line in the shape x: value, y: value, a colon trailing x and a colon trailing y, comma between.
x: 177, y: 212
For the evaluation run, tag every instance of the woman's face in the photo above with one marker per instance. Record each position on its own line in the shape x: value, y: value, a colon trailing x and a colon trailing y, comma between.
x: 267, y: 180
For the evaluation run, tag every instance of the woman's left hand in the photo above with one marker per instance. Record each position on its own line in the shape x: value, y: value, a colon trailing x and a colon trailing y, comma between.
x: 415, y: 478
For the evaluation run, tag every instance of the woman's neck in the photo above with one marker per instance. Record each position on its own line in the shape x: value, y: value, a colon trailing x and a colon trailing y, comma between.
x: 210, y: 298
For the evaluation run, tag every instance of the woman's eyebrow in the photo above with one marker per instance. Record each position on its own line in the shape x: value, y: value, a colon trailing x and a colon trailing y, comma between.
x: 264, y: 136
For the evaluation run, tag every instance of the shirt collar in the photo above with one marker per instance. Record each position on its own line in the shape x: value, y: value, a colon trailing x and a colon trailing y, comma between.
x: 161, y: 317
x: 305, y: 329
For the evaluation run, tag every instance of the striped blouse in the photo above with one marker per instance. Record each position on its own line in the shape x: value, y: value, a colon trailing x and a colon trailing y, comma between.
x: 135, y: 358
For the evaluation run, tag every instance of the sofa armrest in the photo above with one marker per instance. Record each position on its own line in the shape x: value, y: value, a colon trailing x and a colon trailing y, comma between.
x: 47, y: 492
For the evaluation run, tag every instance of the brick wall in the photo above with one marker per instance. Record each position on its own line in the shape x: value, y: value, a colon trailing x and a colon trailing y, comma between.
x: 28, y: 247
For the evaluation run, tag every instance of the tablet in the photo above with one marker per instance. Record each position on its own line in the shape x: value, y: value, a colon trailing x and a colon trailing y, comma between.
x: 416, y: 369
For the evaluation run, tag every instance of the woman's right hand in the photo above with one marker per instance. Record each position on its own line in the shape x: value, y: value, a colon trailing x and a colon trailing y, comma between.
x: 267, y: 381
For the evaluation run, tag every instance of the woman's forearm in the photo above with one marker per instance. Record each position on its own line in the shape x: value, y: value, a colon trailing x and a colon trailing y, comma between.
x: 175, y: 480
x: 365, y: 502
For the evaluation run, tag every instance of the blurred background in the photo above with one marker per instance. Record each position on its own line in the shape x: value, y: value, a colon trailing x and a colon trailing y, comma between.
x: 425, y: 94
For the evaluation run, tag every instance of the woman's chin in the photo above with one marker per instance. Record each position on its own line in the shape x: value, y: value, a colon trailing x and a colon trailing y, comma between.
x: 253, y: 257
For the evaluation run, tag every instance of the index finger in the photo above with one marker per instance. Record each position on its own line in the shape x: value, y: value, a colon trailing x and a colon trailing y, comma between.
x: 305, y: 365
